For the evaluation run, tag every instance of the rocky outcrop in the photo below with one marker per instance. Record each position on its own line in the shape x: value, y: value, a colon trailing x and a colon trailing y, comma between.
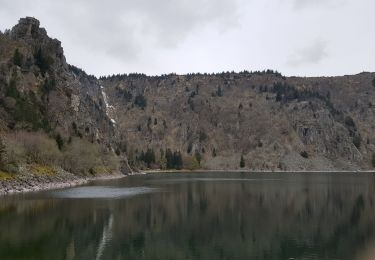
x: 66, y: 100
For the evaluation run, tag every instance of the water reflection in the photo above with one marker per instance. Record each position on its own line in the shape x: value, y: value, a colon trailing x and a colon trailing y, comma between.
x: 101, y: 192
x: 320, y: 216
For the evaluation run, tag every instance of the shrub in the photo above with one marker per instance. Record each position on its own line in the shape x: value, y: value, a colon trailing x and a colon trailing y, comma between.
x: 357, y: 141
x: 202, y: 136
x: 3, y: 154
x: 304, y: 154
x: 81, y: 156
x: 25, y: 147
x: 349, y: 122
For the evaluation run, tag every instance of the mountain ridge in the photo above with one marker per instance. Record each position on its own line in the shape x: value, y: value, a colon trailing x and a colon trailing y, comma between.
x: 258, y: 120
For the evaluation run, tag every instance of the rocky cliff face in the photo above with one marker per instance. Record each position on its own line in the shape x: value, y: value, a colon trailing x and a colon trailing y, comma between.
x: 274, y: 122
x: 210, y: 121
x: 40, y: 91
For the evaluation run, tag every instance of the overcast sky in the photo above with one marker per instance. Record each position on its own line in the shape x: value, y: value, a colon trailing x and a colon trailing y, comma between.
x: 295, y: 37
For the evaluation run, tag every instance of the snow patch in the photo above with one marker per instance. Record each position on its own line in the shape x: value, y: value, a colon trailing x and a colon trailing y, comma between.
x: 108, y: 107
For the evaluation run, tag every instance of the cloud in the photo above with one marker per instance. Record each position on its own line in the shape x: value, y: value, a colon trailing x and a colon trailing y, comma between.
x: 125, y: 28
x: 312, y: 54
x: 302, y: 4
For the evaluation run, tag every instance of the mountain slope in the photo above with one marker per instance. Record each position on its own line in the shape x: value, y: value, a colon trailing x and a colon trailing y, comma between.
x: 274, y: 122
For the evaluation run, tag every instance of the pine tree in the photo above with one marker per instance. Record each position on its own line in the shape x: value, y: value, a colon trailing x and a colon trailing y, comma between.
x: 242, y: 162
x: 17, y: 58
x: 219, y: 92
x: 59, y: 141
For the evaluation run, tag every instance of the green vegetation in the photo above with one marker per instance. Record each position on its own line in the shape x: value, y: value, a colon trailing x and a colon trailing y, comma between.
x: 242, y: 162
x: 168, y: 159
x: 17, y: 58
x: 202, y: 136
x: 59, y: 141
x: 148, y: 157
x: 48, y: 85
x: 349, y: 122
x: 174, y: 160
x: 198, y: 157
x: 3, y: 154
x: 357, y: 141
x: 219, y: 92
x: 25, y: 109
x: 43, y: 61
x: 140, y: 101
x: 189, y: 148
x: 304, y: 154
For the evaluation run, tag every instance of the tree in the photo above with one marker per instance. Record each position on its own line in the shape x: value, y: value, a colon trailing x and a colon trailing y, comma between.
x: 198, y: 157
x: 169, y: 158
x: 214, y: 152
x: 17, y: 58
x: 219, y: 92
x: 350, y: 122
x: 140, y: 101
x: 59, y: 141
x: 202, y: 136
x: 242, y: 162
x: 43, y: 61
x: 278, y: 97
x: 189, y: 148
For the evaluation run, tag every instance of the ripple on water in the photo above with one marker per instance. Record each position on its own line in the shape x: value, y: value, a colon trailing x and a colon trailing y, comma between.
x: 103, y: 192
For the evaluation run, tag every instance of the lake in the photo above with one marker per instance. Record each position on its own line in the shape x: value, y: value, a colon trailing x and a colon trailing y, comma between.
x: 196, y: 216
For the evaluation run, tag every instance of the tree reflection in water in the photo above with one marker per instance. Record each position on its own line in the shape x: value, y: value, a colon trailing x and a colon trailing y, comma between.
x: 206, y: 216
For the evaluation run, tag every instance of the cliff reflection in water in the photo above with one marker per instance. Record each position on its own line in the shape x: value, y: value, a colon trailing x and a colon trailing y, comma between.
x: 237, y: 216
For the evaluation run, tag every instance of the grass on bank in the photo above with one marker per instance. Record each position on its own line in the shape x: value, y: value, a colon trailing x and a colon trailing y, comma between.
x: 5, y: 176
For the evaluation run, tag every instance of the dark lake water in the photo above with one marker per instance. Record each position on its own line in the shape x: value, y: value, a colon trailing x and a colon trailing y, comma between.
x: 196, y: 216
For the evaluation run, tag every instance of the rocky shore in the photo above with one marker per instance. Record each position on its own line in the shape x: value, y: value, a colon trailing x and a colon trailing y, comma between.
x: 28, y: 182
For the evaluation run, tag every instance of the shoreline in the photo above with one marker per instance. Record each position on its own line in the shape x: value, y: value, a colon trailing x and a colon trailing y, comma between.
x: 247, y: 171
x: 34, y: 183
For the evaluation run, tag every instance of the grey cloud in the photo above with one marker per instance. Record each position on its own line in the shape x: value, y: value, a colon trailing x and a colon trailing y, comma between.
x: 312, y: 54
x: 125, y: 28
